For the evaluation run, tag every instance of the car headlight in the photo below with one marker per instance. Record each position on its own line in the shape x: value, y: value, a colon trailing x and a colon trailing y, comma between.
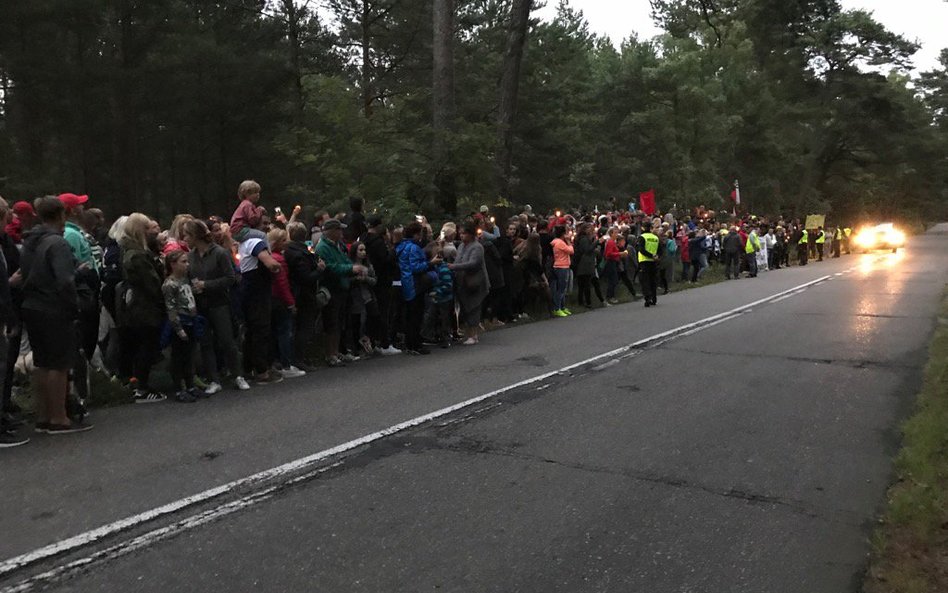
x: 895, y: 237
x: 865, y: 239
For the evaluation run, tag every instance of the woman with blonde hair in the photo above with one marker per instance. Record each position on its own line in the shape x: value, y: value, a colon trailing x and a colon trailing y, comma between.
x: 140, y: 307
x: 175, y: 240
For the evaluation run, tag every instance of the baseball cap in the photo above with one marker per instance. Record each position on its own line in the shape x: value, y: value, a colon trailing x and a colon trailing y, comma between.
x: 332, y: 224
x: 72, y: 200
x: 23, y: 209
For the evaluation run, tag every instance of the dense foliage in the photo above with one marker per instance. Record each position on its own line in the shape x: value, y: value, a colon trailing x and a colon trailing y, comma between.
x: 165, y: 105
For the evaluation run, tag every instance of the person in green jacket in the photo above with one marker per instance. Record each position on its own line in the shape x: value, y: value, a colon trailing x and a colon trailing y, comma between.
x: 339, y: 269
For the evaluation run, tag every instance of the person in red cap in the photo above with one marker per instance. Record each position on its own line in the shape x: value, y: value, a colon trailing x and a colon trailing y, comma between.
x: 23, y: 220
x: 88, y: 285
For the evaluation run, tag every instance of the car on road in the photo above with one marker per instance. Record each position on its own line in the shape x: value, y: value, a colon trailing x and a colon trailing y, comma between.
x: 880, y: 236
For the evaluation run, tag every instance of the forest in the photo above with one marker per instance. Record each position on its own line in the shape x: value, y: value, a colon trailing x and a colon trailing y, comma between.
x: 438, y: 106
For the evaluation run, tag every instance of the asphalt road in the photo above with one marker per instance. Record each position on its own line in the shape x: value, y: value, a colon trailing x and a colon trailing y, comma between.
x: 749, y: 454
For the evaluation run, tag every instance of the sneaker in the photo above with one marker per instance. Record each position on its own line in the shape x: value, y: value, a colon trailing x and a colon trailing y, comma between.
x: 291, y: 372
x: 213, y: 387
x: 68, y: 428
x: 348, y: 357
x: 184, y: 397
x: 470, y: 341
x: 305, y: 367
x: 268, y: 377
x: 560, y: 313
x: 567, y: 311
x: 390, y: 351
x: 613, y: 301
x: 10, y: 421
x: 148, y: 397
x: 335, y: 361
x: 8, y: 439
x: 241, y: 384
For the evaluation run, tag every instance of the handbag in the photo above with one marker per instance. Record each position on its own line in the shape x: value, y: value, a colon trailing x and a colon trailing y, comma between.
x: 322, y: 297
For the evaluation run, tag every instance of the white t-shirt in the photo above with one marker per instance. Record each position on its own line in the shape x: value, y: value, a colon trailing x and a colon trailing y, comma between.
x: 248, y: 251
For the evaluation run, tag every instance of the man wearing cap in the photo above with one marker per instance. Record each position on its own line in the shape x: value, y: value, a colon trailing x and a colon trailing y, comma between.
x: 23, y: 220
x: 336, y: 278
x: 87, y: 285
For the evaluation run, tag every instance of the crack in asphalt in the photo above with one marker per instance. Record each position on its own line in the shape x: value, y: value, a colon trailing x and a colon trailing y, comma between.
x: 852, y: 363
x: 422, y: 443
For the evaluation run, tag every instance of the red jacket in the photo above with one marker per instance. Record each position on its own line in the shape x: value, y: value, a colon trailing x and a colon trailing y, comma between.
x: 612, y: 252
x: 281, y: 282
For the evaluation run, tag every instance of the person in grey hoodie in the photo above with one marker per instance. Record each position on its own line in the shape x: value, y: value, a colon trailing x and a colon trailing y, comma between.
x: 50, y: 303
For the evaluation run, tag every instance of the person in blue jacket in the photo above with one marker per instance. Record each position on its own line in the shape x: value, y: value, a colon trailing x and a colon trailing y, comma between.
x: 414, y: 267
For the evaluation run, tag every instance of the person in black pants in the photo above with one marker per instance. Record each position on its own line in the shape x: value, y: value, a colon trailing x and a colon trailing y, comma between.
x: 256, y: 267
x: 414, y: 266
x: 648, y: 269
x: 382, y: 257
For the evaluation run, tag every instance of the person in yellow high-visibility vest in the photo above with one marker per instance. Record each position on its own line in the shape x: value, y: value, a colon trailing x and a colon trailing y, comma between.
x: 647, y: 249
x: 802, y: 246
x: 820, y: 241
x: 837, y: 240
x: 750, y: 252
x: 846, y: 233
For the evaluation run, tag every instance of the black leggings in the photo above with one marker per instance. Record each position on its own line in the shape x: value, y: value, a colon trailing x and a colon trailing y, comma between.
x: 585, y: 282
x: 140, y: 350
x: 182, y: 360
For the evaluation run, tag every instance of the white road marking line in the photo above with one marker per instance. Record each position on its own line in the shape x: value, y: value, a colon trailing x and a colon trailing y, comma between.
x: 90, y: 537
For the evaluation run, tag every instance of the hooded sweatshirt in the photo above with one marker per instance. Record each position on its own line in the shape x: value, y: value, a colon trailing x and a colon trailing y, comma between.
x: 49, y: 272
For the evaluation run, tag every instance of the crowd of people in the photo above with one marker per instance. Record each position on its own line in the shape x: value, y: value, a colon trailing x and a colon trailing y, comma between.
x: 260, y: 298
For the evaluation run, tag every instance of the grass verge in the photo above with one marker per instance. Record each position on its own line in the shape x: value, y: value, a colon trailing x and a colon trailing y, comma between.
x: 910, y: 546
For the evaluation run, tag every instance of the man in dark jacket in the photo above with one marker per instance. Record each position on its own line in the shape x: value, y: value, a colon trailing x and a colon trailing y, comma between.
x: 305, y: 269
x: 383, y: 260
x: 731, y: 246
x: 355, y: 227
x: 50, y: 303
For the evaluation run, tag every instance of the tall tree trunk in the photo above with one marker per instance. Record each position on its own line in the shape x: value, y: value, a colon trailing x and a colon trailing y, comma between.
x: 293, y: 17
x: 443, y: 104
x: 509, y: 88
x: 367, y: 92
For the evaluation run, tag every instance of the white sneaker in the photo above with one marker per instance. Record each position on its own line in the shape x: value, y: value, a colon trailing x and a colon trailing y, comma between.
x: 292, y: 372
x: 213, y: 388
x: 390, y: 351
x: 242, y: 384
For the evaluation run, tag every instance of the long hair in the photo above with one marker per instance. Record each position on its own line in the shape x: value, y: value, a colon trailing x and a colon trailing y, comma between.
x: 136, y: 229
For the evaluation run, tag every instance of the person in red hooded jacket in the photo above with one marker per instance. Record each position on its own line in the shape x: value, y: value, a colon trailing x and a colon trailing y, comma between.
x: 23, y: 220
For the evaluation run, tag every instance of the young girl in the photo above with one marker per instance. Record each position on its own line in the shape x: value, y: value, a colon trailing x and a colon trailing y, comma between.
x: 364, y: 308
x: 247, y: 216
x: 283, y: 306
x: 182, y: 311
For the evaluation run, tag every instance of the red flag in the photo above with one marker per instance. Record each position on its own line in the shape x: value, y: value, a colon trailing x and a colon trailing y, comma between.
x: 733, y: 195
x: 647, y: 202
